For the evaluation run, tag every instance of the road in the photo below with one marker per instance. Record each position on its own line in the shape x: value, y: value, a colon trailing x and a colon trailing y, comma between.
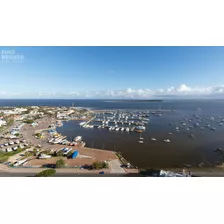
x: 115, y: 167
x: 32, y: 174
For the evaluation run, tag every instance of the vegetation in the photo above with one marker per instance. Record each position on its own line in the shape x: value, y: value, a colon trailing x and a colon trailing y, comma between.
x: 35, y: 151
x: 100, y: 165
x: 60, y: 163
x: 17, y: 134
x: 69, y: 154
x: 10, y: 121
x: 60, y: 153
x: 29, y: 121
x: 118, y: 155
x: 28, y: 111
x: 4, y: 156
x: 30, y: 153
x: 38, y: 135
x: 46, y: 173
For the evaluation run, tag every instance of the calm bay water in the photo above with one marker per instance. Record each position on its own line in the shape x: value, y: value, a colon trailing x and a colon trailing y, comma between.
x: 181, y: 150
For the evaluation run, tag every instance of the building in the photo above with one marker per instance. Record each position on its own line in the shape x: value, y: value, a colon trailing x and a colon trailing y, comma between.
x: 2, y: 123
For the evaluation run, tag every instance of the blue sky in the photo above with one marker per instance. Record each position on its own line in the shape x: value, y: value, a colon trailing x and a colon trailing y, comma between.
x: 111, y: 72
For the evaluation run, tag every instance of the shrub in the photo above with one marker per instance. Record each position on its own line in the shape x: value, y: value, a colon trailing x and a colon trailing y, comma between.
x: 38, y: 135
x: 46, y: 173
x: 69, y: 154
x: 60, y: 153
x: 28, y: 121
x: 100, y: 165
x: 60, y: 163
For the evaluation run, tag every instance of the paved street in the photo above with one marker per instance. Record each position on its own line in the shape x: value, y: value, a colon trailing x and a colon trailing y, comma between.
x: 115, y: 167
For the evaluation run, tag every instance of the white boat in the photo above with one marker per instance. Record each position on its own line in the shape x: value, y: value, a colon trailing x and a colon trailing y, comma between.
x: 166, y: 140
x: 99, y: 126
x: 78, y: 138
x: 127, y: 129
x: 67, y: 151
x: 117, y: 129
x: 164, y: 173
x: 43, y: 156
x: 20, y: 162
x: 177, y: 128
x: 122, y: 129
x: 82, y: 123
x: 140, y: 142
x: 8, y: 150
x: 170, y: 133
x: 153, y: 139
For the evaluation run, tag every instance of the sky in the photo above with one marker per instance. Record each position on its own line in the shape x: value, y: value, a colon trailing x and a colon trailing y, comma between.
x: 111, y: 72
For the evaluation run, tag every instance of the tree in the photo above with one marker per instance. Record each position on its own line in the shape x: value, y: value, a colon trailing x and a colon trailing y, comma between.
x: 38, y: 135
x: 60, y: 163
x: 29, y: 121
x: 69, y: 154
x: 34, y: 151
x: 46, y: 173
x: 60, y: 153
x: 100, y: 165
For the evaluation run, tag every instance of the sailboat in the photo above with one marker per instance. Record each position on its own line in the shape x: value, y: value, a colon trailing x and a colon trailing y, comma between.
x: 141, y: 138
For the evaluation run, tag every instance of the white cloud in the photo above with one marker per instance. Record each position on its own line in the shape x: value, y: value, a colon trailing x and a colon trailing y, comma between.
x: 181, y: 91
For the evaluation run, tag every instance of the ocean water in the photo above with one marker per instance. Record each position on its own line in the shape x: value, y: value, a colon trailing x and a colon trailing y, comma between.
x: 181, y: 150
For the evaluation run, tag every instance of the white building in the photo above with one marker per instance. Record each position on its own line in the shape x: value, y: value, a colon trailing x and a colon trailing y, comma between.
x: 2, y: 123
x: 14, y: 111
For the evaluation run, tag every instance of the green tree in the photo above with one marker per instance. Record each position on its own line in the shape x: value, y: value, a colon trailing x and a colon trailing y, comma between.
x: 46, y: 173
x: 69, y: 154
x: 29, y: 121
x: 34, y: 151
x: 60, y: 153
x: 100, y: 165
x: 60, y: 163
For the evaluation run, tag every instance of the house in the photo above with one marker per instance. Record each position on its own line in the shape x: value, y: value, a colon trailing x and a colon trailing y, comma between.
x: 2, y: 122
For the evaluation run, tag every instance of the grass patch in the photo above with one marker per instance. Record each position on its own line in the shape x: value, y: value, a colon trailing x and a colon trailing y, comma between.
x: 46, y: 173
x: 4, y: 156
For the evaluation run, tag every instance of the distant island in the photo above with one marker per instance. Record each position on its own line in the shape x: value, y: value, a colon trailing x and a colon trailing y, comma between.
x: 134, y: 101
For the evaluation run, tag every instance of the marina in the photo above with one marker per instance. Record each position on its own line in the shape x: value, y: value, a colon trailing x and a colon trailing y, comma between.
x: 128, y: 121
x: 170, y: 138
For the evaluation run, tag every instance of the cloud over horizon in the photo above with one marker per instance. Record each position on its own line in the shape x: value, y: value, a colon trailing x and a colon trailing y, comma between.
x: 182, y: 91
